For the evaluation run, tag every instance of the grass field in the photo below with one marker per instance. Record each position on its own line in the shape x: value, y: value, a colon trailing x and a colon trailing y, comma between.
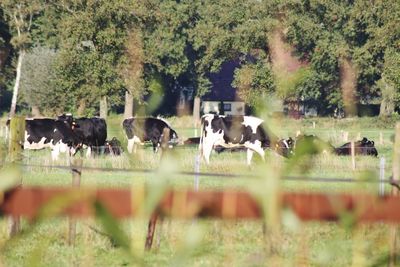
x: 214, y: 242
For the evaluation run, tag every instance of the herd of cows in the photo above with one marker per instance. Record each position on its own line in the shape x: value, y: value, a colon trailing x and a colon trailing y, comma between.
x: 70, y: 135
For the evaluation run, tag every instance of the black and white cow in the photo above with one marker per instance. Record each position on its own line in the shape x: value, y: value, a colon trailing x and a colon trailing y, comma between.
x: 234, y: 131
x: 362, y: 147
x: 49, y: 133
x: 92, y: 132
x: 140, y: 130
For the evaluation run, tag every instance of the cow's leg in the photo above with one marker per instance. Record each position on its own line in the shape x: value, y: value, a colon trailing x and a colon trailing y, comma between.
x: 131, y: 144
x: 89, y: 152
x: 256, y: 146
x: 206, y: 150
x: 55, y: 151
x: 249, y: 156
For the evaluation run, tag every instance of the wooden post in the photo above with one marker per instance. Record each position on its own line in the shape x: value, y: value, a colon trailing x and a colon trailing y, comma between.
x: 16, y: 141
x: 395, y: 192
x: 358, y: 136
x: 76, y: 168
x: 150, y: 231
x: 353, y: 156
x: 313, y: 124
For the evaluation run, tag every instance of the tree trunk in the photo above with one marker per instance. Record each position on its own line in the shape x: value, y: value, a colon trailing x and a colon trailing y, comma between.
x: 128, y: 111
x: 17, y: 81
x: 196, y: 110
x: 81, y: 107
x: 103, y: 107
x: 36, y: 111
x: 348, y: 82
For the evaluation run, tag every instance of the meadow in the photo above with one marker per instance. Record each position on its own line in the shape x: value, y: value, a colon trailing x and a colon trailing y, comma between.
x: 206, y: 242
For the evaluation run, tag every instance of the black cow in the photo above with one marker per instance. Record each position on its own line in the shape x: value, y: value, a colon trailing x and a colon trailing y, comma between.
x: 113, y: 147
x: 361, y: 147
x: 234, y: 132
x: 91, y: 131
x: 54, y: 134
x: 140, y: 130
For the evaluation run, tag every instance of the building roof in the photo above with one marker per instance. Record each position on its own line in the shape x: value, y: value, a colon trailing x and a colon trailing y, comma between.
x: 221, y: 83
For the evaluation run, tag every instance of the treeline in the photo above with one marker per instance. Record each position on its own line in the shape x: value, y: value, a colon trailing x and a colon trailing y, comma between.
x: 84, y: 56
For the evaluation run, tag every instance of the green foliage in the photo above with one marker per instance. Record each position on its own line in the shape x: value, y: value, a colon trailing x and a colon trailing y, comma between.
x: 254, y: 82
x: 19, y: 14
x: 37, y: 88
x: 91, y: 51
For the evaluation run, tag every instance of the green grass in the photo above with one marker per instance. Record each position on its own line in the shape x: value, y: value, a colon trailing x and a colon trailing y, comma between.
x: 210, y: 242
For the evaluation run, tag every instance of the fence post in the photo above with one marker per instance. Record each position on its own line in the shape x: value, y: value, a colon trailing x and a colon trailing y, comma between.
x: 16, y: 141
x: 76, y: 168
x: 396, y: 176
x: 353, y: 155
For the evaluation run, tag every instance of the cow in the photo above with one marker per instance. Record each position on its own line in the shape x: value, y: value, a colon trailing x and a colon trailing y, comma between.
x: 234, y: 131
x: 49, y: 133
x: 113, y: 147
x: 140, y: 130
x: 92, y: 132
x: 362, y: 147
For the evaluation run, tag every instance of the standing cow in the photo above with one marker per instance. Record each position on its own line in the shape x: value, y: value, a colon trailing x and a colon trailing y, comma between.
x: 140, y: 130
x: 92, y: 132
x: 235, y: 131
x: 49, y: 133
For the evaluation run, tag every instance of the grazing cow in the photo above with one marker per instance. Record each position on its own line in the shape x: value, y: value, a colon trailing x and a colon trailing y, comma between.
x: 234, y: 131
x: 361, y: 147
x: 113, y: 147
x: 140, y: 130
x: 91, y: 131
x: 54, y: 134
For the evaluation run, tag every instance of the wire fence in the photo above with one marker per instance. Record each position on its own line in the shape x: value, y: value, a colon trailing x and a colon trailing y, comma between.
x: 221, y: 175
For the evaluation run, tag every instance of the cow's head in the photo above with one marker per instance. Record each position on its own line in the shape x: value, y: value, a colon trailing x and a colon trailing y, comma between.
x: 69, y: 120
x: 173, y: 138
x: 284, y: 147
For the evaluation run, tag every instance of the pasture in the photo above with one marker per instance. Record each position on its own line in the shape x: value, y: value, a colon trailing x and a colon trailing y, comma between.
x: 214, y: 242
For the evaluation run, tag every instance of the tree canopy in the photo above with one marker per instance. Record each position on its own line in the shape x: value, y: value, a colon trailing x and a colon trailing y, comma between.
x: 95, y: 49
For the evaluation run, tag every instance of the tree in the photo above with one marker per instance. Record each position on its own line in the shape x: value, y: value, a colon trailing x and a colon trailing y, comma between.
x: 254, y: 81
x: 93, y: 35
x: 20, y: 14
x: 37, y: 89
x: 132, y: 70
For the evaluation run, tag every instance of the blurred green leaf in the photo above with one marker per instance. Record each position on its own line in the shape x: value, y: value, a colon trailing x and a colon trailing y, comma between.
x: 111, y: 226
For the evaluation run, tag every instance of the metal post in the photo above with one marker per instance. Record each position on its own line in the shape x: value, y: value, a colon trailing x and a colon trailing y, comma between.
x: 382, y: 177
